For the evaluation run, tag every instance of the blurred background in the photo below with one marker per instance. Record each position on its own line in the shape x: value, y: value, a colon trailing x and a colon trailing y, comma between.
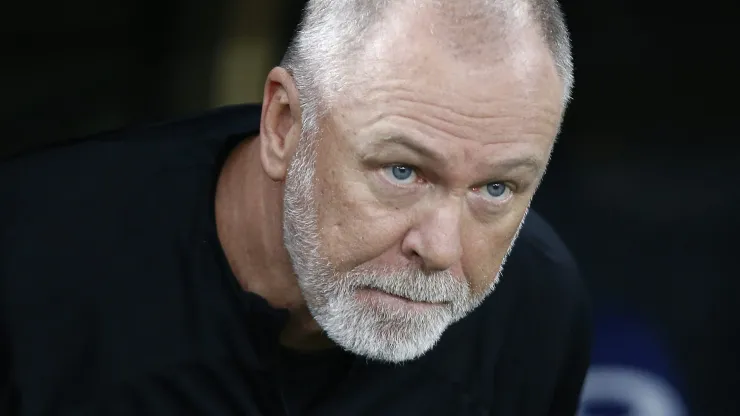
x: 642, y: 186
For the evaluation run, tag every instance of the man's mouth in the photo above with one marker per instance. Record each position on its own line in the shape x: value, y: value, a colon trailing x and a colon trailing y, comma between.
x: 374, y: 295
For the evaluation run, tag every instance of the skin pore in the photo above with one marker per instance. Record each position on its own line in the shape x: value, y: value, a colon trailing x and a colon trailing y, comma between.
x: 394, y: 220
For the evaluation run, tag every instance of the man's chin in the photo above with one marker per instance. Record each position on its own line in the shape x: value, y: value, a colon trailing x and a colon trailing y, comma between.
x: 383, y: 337
x: 396, y: 351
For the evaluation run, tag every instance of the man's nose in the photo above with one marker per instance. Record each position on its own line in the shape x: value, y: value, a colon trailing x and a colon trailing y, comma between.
x: 435, y: 238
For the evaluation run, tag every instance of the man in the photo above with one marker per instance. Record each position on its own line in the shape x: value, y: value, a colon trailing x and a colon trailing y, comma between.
x: 331, y: 252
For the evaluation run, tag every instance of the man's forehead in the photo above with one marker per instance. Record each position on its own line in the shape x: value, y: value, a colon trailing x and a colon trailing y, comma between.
x: 475, y: 91
x: 452, y: 25
x: 406, y: 50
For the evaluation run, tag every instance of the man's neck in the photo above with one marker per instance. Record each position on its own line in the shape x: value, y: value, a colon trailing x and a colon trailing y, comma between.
x: 249, y: 210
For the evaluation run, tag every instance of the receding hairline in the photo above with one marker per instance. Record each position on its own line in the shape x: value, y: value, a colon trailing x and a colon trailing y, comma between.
x: 333, y: 32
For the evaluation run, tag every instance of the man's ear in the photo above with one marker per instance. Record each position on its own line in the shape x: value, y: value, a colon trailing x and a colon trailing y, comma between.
x: 280, y: 126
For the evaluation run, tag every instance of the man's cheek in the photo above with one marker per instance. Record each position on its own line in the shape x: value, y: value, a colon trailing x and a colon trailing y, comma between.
x: 482, y: 259
x: 363, y: 236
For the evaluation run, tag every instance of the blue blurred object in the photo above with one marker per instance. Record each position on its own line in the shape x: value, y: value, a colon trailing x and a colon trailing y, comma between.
x: 631, y: 373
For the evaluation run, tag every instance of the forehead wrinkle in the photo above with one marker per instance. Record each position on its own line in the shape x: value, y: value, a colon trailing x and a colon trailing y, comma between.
x: 433, y: 119
x: 493, y: 131
x: 412, y: 82
x: 382, y: 97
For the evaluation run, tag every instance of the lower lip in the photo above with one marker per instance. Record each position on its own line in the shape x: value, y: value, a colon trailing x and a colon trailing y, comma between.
x: 375, y: 296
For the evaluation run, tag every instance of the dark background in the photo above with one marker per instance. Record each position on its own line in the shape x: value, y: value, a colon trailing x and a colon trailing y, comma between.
x: 643, y: 184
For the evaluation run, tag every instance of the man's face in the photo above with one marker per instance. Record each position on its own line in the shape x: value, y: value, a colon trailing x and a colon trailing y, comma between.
x: 400, y: 212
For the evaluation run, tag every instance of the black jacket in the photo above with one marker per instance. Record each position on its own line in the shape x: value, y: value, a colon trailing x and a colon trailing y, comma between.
x: 115, y: 299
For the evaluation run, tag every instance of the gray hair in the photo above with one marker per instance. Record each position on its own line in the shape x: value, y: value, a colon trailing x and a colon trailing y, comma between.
x: 332, y: 30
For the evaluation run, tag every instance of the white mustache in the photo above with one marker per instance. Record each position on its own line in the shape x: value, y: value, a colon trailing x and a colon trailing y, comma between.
x: 412, y: 284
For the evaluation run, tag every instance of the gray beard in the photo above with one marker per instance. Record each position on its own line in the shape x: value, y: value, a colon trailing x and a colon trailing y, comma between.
x: 374, y: 331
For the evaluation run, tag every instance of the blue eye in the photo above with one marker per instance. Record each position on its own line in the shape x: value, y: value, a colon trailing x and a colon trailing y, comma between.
x: 401, y: 173
x: 496, y: 189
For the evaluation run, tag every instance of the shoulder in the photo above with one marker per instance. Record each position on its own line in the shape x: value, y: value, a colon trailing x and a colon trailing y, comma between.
x: 73, y: 211
x: 135, y: 148
x: 103, y: 170
x: 91, y: 227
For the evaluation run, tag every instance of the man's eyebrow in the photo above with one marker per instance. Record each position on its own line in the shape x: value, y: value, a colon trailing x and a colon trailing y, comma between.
x: 410, y: 143
x: 522, y: 162
x: 519, y: 162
